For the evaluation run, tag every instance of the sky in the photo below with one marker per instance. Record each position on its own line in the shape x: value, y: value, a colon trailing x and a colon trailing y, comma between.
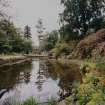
x: 27, y: 12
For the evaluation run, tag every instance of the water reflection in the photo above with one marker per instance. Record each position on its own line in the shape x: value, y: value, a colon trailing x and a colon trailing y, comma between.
x: 66, y: 74
x: 38, y: 78
x: 11, y: 76
x: 41, y: 75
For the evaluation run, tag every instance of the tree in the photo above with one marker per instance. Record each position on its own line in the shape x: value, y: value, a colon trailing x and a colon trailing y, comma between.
x: 11, y: 39
x: 27, y: 32
x: 83, y: 15
x: 50, y: 41
x: 66, y: 34
x: 40, y: 27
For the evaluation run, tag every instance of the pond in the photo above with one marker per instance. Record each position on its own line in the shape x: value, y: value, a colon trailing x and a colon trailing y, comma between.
x: 37, y: 78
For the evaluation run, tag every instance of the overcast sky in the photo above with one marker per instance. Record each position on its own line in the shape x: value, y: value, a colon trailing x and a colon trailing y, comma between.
x: 29, y: 11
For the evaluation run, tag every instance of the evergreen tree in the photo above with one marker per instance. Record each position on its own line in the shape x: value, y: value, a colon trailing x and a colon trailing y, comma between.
x: 11, y: 39
x: 27, y: 32
x: 40, y: 27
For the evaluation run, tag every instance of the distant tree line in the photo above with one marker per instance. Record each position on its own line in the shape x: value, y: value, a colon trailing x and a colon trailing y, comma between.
x: 12, y: 39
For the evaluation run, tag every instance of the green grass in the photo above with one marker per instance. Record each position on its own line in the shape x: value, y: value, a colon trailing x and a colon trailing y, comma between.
x: 87, y: 66
x: 100, y: 64
x: 52, y: 102
x: 29, y: 101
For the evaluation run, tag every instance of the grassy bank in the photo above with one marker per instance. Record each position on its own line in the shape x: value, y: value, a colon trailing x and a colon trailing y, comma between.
x: 11, y: 57
x: 92, y: 89
x: 8, y: 60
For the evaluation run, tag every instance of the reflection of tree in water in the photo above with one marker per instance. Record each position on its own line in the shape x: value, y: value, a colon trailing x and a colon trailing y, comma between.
x: 10, y: 76
x: 66, y: 74
x: 27, y: 77
x: 41, y: 74
x: 25, y: 73
x: 24, y: 77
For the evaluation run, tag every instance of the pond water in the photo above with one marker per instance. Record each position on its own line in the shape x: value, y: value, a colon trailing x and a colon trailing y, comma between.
x: 37, y: 78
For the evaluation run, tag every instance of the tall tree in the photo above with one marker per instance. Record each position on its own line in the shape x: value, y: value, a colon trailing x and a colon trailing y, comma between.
x: 40, y: 27
x: 27, y: 32
x: 83, y: 15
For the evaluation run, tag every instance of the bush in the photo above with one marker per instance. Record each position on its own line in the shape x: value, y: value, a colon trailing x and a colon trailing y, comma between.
x: 97, y: 98
x: 87, y: 66
x: 61, y: 48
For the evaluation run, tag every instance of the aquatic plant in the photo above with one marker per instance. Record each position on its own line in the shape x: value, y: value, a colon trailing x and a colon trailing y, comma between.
x: 52, y: 102
x: 29, y: 101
